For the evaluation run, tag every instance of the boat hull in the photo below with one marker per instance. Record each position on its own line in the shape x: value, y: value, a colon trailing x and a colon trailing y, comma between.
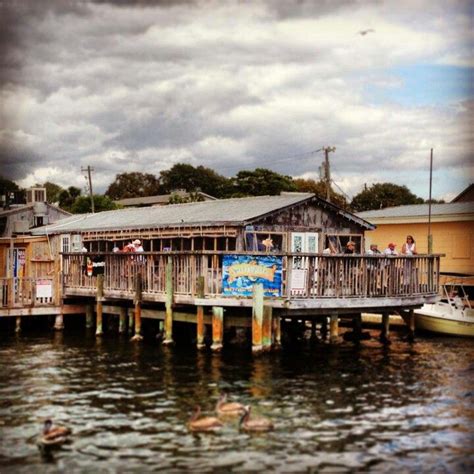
x: 441, y: 325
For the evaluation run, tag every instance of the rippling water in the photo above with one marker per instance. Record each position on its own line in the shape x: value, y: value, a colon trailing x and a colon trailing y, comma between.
x: 405, y: 407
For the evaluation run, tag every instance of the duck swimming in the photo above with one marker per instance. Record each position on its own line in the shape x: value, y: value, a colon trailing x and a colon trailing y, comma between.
x: 224, y: 408
x: 53, y: 435
x: 254, y: 424
x: 206, y: 423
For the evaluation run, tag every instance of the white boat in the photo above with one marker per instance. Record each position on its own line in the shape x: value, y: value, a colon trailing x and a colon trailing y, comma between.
x: 453, y: 315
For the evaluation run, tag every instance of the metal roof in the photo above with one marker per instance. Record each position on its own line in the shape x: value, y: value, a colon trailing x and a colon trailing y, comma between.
x: 419, y: 210
x: 237, y: 211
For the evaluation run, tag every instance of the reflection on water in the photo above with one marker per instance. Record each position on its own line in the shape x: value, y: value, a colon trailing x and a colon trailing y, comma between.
x: 342, y: 408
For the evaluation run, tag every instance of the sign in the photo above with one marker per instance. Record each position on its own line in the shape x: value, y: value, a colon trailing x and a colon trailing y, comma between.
x: 298, y: 279
x: 44, y: 289
x: 241, y: 272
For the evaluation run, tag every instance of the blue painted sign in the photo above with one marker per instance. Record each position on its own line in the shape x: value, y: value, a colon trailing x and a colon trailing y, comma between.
x: 241, y: 272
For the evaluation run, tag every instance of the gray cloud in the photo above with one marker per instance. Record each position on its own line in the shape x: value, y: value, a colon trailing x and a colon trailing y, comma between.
x: 142, y: 85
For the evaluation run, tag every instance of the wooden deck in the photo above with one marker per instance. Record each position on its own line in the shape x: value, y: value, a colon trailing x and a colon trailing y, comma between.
x: 323, y: 282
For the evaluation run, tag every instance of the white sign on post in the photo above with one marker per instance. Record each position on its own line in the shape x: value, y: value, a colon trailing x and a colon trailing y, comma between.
x: 44, y: 289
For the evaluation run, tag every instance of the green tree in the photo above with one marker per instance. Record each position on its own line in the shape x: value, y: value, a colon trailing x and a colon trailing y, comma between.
x: 381, y: 195
x: 53, y: 191
x: 82, y: 204
x: 67, y: 197
x: 261, y: 182
x: 135, y: 184
x: 7, y: 188
x: 192, y: 197
x: 191, y: 179
x: 319, y: 188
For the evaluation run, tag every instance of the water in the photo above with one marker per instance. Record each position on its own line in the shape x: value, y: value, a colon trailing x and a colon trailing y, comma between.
x: 405, y: 407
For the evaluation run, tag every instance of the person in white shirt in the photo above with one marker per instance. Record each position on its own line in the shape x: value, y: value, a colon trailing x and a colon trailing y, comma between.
x: 374, y: 250
x: 409, y: 247
x: 137, y: 245
x: 390, y: 250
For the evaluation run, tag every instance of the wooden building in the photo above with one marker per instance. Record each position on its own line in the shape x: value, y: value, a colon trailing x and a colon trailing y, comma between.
x: 262, y: 253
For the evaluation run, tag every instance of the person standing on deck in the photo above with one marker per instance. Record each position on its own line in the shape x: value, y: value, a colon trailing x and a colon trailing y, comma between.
x: 409, y: 247
x: 390, y: 250
x: 350, y: 248
x: 373, y: 250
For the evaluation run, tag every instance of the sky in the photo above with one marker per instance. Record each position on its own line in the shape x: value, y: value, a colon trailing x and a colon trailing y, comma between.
x: 128, y: 86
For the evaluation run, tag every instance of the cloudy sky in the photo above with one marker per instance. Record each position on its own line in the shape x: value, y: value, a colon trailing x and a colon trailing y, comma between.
x: 231, y: 85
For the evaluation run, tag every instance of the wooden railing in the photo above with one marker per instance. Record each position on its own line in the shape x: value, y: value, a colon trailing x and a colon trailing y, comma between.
x: 304, y: 276
x: 26, y: 292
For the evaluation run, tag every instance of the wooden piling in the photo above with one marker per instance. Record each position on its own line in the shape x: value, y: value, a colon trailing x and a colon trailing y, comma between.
x: 59, y: 322
x: 334, y: 329
x: 324, y: 328
x: 138, y: 308
x: 384, y: 333
x: 200, y: 328
x: 99, y: 301
x: 217, y: 328
x: 267, y: 327
x: 257, y: 318
x: 357, y: 326
x: 123, y: 320
x: 276, y: 330
x: 89, y: 316
x: 411, y: 325
x: 131, y: 322
x: 169, y: 303
x: 18, y: 325
x: 313, y: 330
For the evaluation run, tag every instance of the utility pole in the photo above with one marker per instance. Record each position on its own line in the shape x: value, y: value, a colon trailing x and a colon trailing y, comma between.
x: 327, y: 170
x: 89, y: 169
x: 430, y: 237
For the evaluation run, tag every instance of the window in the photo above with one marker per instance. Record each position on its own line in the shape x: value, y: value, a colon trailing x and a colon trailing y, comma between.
x: 38, y: 221
x: 65, y: 243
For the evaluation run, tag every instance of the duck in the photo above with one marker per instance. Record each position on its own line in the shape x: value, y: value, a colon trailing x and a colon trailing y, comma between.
x: 53, y: 435
x: 254, y: 424
x: 206, y: 423
x: 224, y: 408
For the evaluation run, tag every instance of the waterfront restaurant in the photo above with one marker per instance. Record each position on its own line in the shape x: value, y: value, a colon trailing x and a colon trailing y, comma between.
x: 263, y: 253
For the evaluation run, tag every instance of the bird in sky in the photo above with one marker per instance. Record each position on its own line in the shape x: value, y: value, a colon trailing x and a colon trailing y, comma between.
x: 364, y: 32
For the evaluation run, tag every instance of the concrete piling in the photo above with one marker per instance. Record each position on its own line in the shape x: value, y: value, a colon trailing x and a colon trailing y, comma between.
x: 89, y: 316
x: 267, y: 327
x: 59, y: 322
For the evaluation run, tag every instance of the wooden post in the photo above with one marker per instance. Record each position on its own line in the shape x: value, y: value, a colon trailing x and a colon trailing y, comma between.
x: 334, y: 329
x: 384, y: 333
x: 357, y: 326
x: 313, y: 331
x: 138, y: 308
x: 123, y: 320
x: 324, y: 328
x: 267, y: 327
x: 257, y: 318
x: 200, y: 314
x: 18, y: 325
x: 59, y: 322
x: 169, y: 303
x: 411, y: 325
x: 99, y: 300
x: 89, y: 316
x: 217, y: 328
x: 276, y: 323
x: 131, y: 321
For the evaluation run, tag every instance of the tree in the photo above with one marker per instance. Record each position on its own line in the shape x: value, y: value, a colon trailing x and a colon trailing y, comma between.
x: 261, y: 182
x: 82, y: 204
x: 191, y: 197
x: 382, y: 195
x: 319, y: 188
x: 12, y: 193
x: 191, y: 179
x: 53, y: 191
x: 135, y: 184
x: 67, y: 197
